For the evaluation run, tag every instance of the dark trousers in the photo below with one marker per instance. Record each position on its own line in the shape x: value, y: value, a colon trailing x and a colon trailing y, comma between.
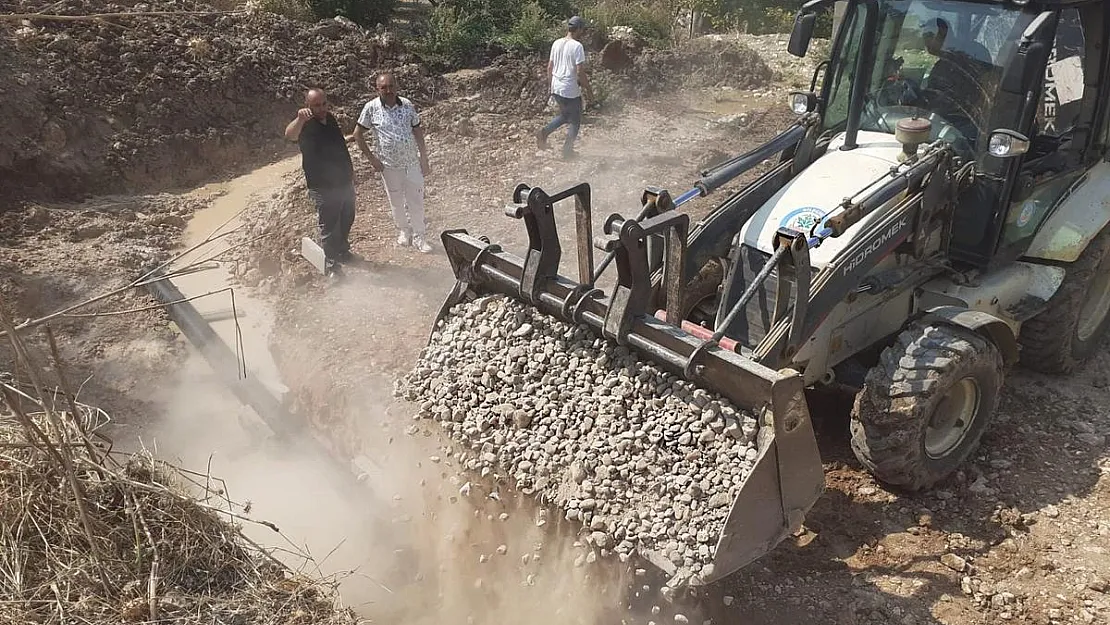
x: 335, y: 212
x: 570, y: 112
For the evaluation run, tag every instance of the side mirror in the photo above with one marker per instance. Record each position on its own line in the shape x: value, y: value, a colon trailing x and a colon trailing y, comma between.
x: 1007, y: 143
x: 802, y: 102
x: 802, y: 34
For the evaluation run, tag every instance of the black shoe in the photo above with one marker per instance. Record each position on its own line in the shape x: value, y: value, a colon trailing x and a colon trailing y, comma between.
x: 350, y: 259
x: 344, y: 257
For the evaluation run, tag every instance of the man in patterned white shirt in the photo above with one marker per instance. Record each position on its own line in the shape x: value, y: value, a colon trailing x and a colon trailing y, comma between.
x: 402, y: 158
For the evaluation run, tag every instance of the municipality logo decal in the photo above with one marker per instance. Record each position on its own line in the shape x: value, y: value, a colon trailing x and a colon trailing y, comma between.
x: 803, y: 219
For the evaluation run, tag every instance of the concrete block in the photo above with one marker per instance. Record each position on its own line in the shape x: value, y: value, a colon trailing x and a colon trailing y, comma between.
x: 314, y: 254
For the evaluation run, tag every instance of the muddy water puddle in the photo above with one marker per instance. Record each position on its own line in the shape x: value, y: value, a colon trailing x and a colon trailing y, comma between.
x: 243, y: 322
x: 714, y: 104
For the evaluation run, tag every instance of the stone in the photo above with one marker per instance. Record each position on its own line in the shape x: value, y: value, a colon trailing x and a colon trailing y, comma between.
x: 719, y: 500
x: 954, y: 562
x: 631, y: 452
x: 521, y: 419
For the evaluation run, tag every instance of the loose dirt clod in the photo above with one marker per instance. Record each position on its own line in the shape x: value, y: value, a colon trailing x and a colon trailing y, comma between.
x: 640, y: 458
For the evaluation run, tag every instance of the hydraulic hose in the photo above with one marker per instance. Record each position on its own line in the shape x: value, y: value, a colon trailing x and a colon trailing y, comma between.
x: 722, y: 174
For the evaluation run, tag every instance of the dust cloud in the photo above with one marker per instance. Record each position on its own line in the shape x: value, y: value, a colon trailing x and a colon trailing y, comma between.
x: 412, y: 540
x: 415, y: 540
x: 322, y: 524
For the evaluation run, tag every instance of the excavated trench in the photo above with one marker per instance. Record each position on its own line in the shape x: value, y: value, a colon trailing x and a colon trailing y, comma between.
x: 487, y: 552
x: 446, y: 531
x: 478, y: 543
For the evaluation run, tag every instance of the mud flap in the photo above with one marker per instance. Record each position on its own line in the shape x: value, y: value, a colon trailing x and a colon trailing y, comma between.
x: 986, y: 325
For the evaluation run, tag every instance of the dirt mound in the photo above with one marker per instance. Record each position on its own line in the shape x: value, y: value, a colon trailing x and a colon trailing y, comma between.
x: 268, y: 251
x: 508, y: 86
x: 518, y: 87
x: 119, y: 232
x: 129, y: 104
x: 703, y: 62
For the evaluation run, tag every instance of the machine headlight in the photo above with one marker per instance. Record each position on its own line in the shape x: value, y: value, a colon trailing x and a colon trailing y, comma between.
x: 1007, y: 143
x: 802, y: 102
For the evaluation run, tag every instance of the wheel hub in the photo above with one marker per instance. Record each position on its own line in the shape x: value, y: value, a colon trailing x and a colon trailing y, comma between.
x: 952, y: 418
x: 1097, y: 304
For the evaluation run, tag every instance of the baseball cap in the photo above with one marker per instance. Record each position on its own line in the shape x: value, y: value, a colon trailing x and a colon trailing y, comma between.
x: 576, y: 22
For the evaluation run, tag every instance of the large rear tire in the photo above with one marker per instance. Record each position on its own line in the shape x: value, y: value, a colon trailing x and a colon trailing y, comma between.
x: 924, y: 407
x: 704, y: 286
x: 1067, y: 333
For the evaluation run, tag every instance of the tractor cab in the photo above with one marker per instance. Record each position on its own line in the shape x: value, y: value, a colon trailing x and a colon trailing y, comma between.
x: 1013, y: 87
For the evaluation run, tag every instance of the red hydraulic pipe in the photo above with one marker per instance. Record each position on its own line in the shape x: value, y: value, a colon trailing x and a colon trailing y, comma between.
x: 701, y: 332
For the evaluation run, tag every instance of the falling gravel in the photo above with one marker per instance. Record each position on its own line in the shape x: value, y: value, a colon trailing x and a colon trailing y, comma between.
x: 642, y: 459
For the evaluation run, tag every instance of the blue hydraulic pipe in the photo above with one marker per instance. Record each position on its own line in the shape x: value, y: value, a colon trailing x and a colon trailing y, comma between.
x: 822, y: 234
x: 731, y: 169
x: 686, y: 197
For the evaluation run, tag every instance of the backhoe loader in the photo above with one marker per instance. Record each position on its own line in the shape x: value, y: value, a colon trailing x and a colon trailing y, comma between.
x: 937, y: 213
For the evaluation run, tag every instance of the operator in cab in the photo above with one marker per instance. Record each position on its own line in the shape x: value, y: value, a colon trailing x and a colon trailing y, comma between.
x: 957, y: 85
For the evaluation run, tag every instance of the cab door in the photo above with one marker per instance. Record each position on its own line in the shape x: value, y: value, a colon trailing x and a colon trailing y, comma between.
x: 1050, y: 171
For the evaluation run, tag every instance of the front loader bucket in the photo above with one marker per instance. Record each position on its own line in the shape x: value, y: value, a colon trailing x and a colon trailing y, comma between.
x: 787, y: 476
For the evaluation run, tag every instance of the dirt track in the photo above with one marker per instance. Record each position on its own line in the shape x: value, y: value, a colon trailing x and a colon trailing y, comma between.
x: 1028, y: 518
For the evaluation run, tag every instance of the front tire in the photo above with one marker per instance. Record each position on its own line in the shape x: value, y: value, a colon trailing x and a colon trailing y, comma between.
x: 1067, y: 333
x: 924, y: 407
x: 705, y: 286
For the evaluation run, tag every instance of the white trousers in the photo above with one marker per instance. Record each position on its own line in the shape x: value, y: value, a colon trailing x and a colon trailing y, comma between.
x: 405, y: 188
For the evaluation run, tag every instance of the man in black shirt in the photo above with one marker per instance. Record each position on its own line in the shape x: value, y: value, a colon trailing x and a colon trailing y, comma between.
x: 328, y: 171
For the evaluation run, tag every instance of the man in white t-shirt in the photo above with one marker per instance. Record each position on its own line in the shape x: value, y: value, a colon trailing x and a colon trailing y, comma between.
x: 566, y: 71
x: 402, y: 158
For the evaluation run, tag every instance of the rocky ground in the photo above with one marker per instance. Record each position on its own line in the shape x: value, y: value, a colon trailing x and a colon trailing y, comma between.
x: 1019, y: 535
x: 1016, y: 536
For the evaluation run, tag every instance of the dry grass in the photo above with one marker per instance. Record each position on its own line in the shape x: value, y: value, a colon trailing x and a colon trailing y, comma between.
x: 163, y: 547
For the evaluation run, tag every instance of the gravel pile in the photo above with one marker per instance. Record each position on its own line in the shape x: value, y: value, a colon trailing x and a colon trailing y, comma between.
x: 641, y: 458
x: 786, y: 67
